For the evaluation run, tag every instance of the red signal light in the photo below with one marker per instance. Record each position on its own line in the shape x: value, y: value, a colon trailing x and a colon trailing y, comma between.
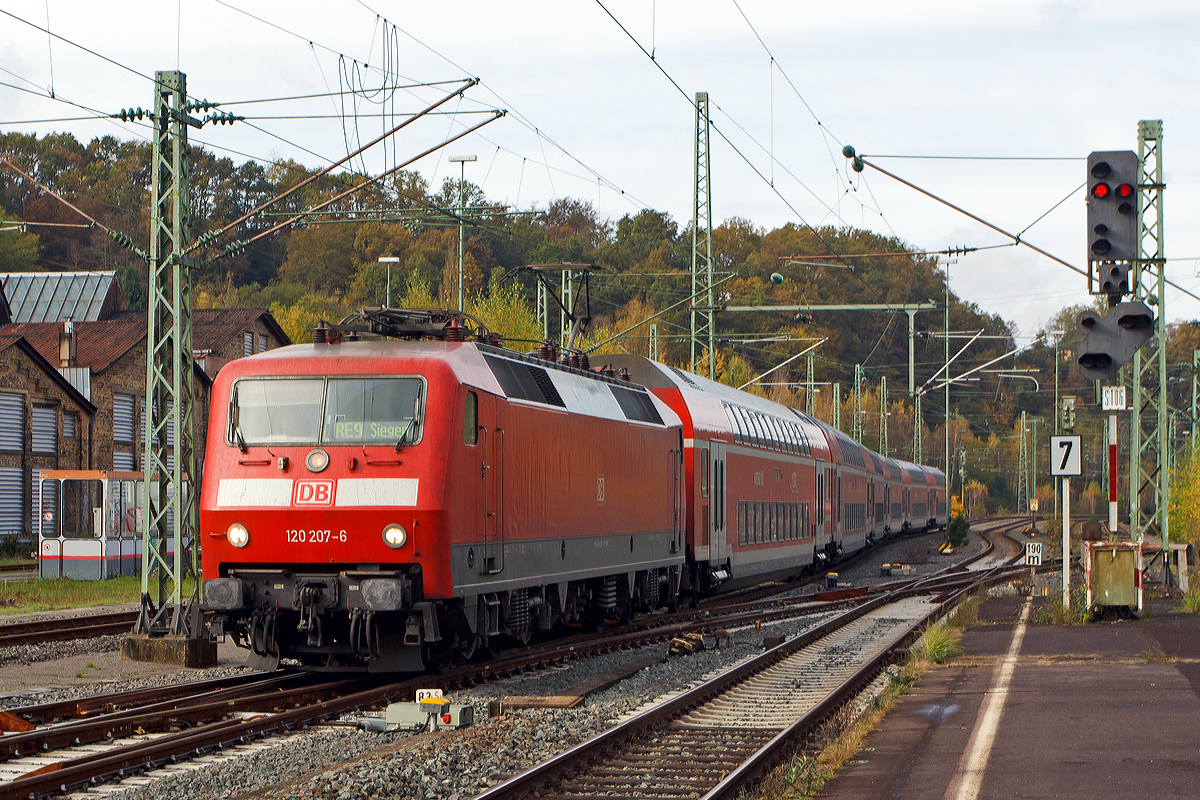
x: 1101, y: 189
x: 1124, y: 190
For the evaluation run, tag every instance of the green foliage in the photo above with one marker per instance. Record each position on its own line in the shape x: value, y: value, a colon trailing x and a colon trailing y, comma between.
x: 966, y: 614
x: 958, y: 530
x: 299, y: 319
x: 18, y: 251
x: 1190, y: 601
x: 1056, y: 613
x: 1185, y: 500
x: 12, y: 548
x: 938, y: 643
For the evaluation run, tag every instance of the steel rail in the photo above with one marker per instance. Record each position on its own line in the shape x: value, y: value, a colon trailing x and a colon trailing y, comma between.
x: 539, y: 777
x: 63, y: 628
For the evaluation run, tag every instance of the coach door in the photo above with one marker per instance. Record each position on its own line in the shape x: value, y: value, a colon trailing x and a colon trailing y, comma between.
x: 719, y: 544
x: 492, y: 416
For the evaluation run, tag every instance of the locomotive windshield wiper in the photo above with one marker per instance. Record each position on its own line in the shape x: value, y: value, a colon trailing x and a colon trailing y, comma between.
x: 241, y: 443
x: 404, y: 433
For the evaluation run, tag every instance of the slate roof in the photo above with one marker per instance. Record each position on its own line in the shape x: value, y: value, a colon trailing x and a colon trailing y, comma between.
x: 59, y: 296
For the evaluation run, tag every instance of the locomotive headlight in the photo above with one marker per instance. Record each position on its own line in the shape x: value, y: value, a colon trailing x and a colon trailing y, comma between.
x: 316, y: 460
x: 395, y: 536
x: 237, y: 535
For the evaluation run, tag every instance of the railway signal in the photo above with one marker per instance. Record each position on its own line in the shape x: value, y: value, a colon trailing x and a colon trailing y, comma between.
x: 1112, y: 219
x: 1068, y: 413
x: 1112, y: 340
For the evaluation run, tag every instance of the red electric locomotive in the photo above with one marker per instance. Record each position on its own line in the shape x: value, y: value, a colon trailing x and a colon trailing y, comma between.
x: 391, y: 503
x: 388, y: 504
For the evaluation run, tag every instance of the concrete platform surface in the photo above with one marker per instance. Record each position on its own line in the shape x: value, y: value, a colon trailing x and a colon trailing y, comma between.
x: 1104, y: 710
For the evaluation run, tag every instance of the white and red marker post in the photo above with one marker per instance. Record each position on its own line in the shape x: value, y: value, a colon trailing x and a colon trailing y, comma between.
x: 1112, y: 473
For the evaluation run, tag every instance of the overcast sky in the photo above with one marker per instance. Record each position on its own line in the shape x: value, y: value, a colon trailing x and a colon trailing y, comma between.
x: 1030, y: 86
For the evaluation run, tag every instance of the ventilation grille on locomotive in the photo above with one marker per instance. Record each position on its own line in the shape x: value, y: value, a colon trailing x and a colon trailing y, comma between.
x: 524, y: 381
x: 684, y: 376
x: 635, y: 405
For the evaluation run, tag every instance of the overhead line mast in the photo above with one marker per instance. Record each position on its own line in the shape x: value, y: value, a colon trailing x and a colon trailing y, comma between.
x: 703, y: 318
x: 1149, y: 476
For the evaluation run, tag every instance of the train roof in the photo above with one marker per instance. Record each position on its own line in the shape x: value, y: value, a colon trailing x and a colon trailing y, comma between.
x: 656, y: 375
x: 491, y: 369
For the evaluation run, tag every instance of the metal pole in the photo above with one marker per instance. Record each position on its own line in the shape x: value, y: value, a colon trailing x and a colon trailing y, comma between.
x: 883, y: 416
x: 1112, y: 473
x: 703, y: 321
x: 810, y: 403
x: 946, y: 340
x: 462, y: 231
x: 911, y: 346
x: 1195, y: 393
x: 462, y: 212
x: 1066, y: 542
x: 389, y: 260
x: 1057, y: 410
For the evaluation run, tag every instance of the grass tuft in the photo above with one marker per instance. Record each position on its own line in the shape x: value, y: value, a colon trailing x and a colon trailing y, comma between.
x: 1190, y: 602
x: 938, y: 643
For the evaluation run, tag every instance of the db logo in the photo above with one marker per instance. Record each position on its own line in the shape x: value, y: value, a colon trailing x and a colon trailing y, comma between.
x: 313, y: 493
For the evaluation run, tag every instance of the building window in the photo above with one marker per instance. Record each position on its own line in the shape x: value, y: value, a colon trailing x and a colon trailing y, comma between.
x: 12, y: 422
x: 123, y: 418
x: 262, y: 343
x: 45, y: 429
x: 68, y: 426
x: 12, y: 502
x: 248, y: 343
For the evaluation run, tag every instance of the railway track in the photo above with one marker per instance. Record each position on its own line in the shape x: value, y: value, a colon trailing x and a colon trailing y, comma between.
x: 715, y: 739
x: 58, y: 747
x: 63, y: 628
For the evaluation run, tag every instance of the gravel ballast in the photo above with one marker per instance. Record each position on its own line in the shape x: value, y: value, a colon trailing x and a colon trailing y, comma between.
x: 349, y: 764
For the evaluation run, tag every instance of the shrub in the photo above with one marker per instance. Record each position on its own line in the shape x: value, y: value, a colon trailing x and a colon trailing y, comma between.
x: 958, y: 530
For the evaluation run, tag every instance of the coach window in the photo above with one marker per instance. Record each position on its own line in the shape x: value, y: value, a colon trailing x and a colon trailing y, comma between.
x: 471, y: 419
x: 760, y: 430
x: 743, y: 428
x: 772, y: 433
x: 704, y: 472
x: 734, y: 425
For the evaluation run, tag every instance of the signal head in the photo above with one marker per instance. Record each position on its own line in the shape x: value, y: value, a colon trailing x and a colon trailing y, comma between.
x: 1112, y: 225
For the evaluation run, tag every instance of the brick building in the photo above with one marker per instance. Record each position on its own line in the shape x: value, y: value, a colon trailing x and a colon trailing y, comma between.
x: 45, y: 423
x: 89, y: 375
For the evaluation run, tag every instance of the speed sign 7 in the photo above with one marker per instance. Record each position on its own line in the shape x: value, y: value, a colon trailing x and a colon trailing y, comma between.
x: 1066, y: 456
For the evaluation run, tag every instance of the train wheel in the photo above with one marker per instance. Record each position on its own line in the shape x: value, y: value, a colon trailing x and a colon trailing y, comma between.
x: 466, y: 649
x: 436, y: 657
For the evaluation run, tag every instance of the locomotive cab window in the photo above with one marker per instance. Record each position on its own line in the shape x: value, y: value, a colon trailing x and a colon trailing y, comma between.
x: 471, y: 419
x: 335, y: 410
x: 276, y: 411
x: 384, y: 410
